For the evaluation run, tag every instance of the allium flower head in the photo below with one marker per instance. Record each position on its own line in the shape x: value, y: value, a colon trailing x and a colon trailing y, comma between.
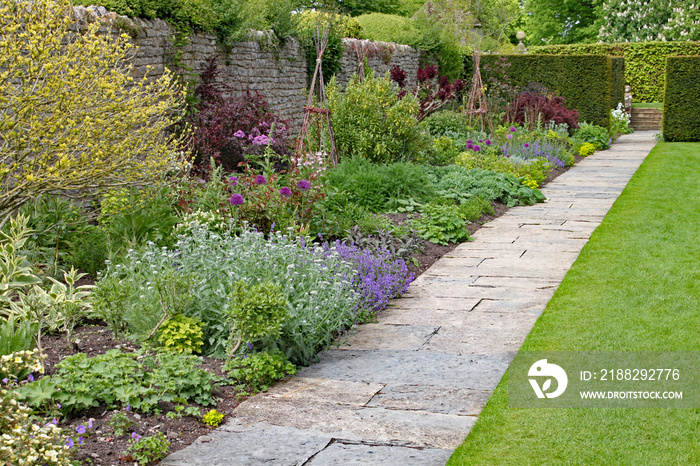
x: 488, y: 142
x: 510, y: 136
x: 260, y: 179
x: 233, y: 180
x: 304, y: 185
x: 285, y: 192
x: 236, y: 199
x: 512, y: 129
x: 527, y: 145
x: 477, y: 148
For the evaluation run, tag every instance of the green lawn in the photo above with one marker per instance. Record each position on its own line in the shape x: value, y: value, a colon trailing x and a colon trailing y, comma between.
x: 635, y: 286
x: 648, y: 105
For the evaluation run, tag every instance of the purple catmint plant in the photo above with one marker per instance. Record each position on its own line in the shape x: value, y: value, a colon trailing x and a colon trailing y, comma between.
x: 379, y: 277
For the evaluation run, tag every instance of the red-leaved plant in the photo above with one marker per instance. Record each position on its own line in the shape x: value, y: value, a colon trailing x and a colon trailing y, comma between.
x: 532, y: 107
x: 433, y: 91
x: 232, y: 130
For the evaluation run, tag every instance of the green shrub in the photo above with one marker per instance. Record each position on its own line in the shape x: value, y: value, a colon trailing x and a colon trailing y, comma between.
x: 147, y: 450
x: 645, y: 62
x: 681, y: 120
x: 596, y: 135
x: 446, y: 121
x: 441, y: 224
x: 472, y: 209
x: 585, y: 81
x: 370, y: 121
x: 89, y: 251
x: 377, y: 188
x: 390, y: 28
x: 181, y: 334
x: 586, y: 149
x: 259, y: 370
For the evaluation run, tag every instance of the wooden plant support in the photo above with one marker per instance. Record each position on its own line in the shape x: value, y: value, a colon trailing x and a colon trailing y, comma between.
x: 319, y: 115
x: 477, y: 109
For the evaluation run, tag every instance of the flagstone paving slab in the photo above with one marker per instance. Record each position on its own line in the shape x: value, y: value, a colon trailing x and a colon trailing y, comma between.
x: 407, y: 389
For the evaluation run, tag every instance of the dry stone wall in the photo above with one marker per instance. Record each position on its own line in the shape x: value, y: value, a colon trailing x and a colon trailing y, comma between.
x: 280, y: 75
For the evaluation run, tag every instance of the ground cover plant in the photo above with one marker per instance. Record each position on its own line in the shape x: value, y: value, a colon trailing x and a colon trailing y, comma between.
x: 631, y: 289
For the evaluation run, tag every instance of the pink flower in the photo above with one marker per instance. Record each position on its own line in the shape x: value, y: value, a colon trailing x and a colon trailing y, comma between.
x: 510, y: 136
x: 239, y: 134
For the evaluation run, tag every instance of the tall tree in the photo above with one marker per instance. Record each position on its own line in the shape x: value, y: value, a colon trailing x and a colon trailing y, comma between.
x: 562, y: 21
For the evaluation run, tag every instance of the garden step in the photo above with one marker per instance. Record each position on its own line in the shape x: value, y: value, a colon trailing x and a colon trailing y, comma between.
x: 407, y: 389
x: 646, y: 119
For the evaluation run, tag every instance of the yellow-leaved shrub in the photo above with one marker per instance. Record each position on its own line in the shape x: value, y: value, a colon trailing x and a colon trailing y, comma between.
x: 72, y: 117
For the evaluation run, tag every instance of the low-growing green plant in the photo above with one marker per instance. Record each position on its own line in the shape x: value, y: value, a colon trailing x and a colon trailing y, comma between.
x: 115, y: 378
x: 472, y: 209
x: 441, y: 224
x: 213, y: 418
x: 259, y: 370
x: 596, y: 135
x: 378, y: 188
x: 461, y: 185
x: 120, y: 422
x: 443, y: 122
x: 146, y: 450
x: 316, y: 283
x: 181, y: 334
x: 255, y: 313
x: 89, y: 250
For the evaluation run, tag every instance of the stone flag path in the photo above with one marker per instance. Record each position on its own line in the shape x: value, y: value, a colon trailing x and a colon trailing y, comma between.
x: 407, y: 389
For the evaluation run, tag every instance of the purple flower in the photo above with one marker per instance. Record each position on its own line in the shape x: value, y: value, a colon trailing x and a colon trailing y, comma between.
x: 80, y: 429
x: 477, y: 148
x: 470, y: 146
x: 136, y: 437
x: 527, y: 145
x: 304, y: 185
x: 236, y: 199
x: 58, y: 405
x: 481, y: 140
x: 90, y: 421
x: 510, y: 136
x: 239, y: 134
x: 80, y: 440
x: 261, y: 140
x: 488, y: 142
x: 70, y: 443
x: 512, y: 129
x: 127, y: 409
x: 5, y: 380
x: 54, y: 421
x: 233, y: 180
x: 250, y: 346
x: 260, y: 179
x: 30, y: 378
x: 285, y: 192
x: 469, y: 141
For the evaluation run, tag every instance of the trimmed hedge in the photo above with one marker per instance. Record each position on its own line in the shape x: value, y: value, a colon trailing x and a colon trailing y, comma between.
x: 681, y: 121
x: 390, y: 28
x: 585, y: 81
x: 645, y: 62
x: 617, y: 90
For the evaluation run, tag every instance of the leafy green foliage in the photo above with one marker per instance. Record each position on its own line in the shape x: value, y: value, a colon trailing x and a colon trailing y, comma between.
x: 681, y: 120
x: 678, y: 20
x: 446, y: 121
x: 256, y: 313
x: 17, y: 334
x: 146, y: 450
x: 378, y: 188
x: 121, y: 423
x: 645, y: 62
x: 472, y: 209
x: 89, y: 250
x: 596, y: 135
x: 259, y: 370
x: 461, y: 185
x: 370, y: 121
x: 321, y: 298
x: 181, y: 334
x: 586, y: 149
x: 390, y: 28
x: 441, y: 224
x: 567, y: 22
x: 115, y: 378
x: 585, y: 82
